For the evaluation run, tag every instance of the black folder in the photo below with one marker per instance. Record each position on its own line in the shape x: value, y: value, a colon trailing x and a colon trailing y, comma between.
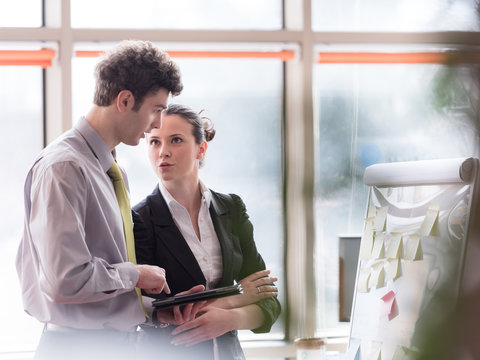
x: 198, y: 296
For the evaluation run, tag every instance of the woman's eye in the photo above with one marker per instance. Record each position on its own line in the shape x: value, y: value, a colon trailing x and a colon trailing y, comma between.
x: 154, y: 142
x: 176, y: 140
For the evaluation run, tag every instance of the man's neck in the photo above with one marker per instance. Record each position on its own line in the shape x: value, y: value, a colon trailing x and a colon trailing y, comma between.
x: 100, y: 119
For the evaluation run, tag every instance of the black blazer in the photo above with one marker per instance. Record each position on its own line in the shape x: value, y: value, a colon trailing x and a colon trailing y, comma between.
x: 158, y: 241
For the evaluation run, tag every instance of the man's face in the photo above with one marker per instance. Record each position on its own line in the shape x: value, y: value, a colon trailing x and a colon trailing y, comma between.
x: 148, y: 117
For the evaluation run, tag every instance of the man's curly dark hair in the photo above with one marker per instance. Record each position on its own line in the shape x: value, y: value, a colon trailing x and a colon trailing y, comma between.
x: 137, y: 66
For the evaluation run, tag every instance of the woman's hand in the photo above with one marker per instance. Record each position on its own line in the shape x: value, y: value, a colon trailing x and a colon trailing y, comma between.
x: 179, y: 315
x: 256, y: 286
x: 211, y: 323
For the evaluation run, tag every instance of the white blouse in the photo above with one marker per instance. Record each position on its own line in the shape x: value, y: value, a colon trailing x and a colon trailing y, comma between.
x: 207, y: 249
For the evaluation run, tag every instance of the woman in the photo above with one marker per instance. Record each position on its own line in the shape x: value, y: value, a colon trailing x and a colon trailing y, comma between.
x: 200, y: 237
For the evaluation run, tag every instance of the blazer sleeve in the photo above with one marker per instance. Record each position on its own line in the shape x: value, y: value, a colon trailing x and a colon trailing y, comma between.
x: 252, y: 262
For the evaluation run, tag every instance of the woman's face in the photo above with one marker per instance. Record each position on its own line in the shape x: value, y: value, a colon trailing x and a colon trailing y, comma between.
x: 172, y: 150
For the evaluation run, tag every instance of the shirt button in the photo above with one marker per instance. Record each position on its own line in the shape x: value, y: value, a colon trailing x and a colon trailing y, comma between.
x: 205, y: 258
x: 130, y: 282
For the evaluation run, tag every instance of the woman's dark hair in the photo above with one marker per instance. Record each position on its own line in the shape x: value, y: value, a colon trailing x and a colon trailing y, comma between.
x: 202, y: 126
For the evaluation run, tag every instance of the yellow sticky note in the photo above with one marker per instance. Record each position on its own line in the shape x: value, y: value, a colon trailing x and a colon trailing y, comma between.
x: 392, y: 269
x: 430, y: 219
x: 378, y: 251
x: 395, y: 247
x: 377, y: 277
x: 413, y: 249
x: 375, y: 351
x: 363, y: 280
x: 403, y: 353
x: 366, y: 244
x: 381, y: 218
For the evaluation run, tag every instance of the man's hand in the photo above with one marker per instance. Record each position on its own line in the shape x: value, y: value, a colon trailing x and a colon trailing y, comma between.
x: 152, y: 279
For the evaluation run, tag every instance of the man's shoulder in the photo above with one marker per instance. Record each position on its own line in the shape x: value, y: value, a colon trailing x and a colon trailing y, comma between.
x: 68, y: 148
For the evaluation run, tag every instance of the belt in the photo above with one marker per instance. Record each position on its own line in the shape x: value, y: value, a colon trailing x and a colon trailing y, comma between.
x: 66, y: 329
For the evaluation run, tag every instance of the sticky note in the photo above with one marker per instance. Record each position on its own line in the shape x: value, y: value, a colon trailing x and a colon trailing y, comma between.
x: 353, y: 352
x: 403, y: 353
x: 377, y: 277
x: 395, y: 247
x: 413, y: 250
x: 364, y: 279
x: 366, y: 244
x: 381, y: 218
x: 430, y: 219
x: 378, y: 251
x: 389, y: 309
x: 392, y: 269
x: 375, y: 351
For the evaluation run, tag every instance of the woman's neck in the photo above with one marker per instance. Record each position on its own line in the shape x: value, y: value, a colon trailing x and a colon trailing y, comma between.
x: 186, y: 192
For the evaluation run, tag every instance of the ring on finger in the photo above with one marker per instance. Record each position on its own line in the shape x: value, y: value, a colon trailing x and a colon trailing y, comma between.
x: 258, y: 289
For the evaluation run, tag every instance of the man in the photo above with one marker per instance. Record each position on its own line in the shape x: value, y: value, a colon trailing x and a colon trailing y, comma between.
x: 72, y: 261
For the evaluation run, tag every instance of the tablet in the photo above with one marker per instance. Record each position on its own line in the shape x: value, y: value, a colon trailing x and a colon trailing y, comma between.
x: 198, y: 296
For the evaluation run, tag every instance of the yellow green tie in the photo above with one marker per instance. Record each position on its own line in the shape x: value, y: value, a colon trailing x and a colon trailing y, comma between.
x: 124, y: 204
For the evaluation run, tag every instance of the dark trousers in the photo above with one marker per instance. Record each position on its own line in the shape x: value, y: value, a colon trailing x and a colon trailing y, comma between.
x: 87, y: 345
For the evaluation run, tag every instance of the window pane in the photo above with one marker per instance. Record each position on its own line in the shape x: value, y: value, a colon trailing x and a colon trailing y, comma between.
x: 13, y: 14
x: 244, y: 157
x: 401, y: 15
x: 371, y: 114
x: 179, y: 14
x: 22, y: 129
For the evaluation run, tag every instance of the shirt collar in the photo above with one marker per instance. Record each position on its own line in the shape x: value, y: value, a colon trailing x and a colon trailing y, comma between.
x: 96, y: 143
x: 170, y: 200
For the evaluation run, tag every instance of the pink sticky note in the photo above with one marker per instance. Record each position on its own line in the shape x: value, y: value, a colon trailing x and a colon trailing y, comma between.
x: 389, y: 307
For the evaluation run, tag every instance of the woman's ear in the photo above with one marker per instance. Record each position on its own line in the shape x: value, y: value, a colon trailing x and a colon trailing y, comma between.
x: 202, y: 150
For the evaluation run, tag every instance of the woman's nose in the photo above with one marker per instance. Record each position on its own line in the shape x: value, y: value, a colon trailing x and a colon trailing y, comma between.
x: 164, y: 151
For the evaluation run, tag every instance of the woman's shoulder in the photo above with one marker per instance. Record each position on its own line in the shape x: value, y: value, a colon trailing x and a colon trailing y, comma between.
x: 229, y: 200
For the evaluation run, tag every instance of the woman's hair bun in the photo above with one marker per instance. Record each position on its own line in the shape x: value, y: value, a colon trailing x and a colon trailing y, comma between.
x: 208, y: 128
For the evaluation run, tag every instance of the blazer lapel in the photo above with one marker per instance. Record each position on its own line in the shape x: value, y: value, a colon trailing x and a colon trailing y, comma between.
x: 222, y: 223
x: 167, y: 232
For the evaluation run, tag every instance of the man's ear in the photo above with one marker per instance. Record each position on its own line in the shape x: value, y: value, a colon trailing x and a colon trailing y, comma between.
x: 125, y: 100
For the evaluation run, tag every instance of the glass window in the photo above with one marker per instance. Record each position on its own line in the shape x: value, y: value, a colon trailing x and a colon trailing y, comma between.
x: 401, y: 15
x: 370, y: 114
x: 179, y: 14
x: 22, y: 129
x: 243, y: 98
x: 13, y: 14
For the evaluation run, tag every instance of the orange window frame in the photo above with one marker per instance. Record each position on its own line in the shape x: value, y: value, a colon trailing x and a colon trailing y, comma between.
x: 45, y: 57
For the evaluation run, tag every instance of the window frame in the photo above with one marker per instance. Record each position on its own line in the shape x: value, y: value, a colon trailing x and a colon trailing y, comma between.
x: 299, y: 147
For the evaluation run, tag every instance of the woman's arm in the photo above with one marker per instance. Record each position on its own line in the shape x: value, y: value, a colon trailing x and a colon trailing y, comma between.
x: 256, y: 287
x: 213, y: 322
x: 253, y: 262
